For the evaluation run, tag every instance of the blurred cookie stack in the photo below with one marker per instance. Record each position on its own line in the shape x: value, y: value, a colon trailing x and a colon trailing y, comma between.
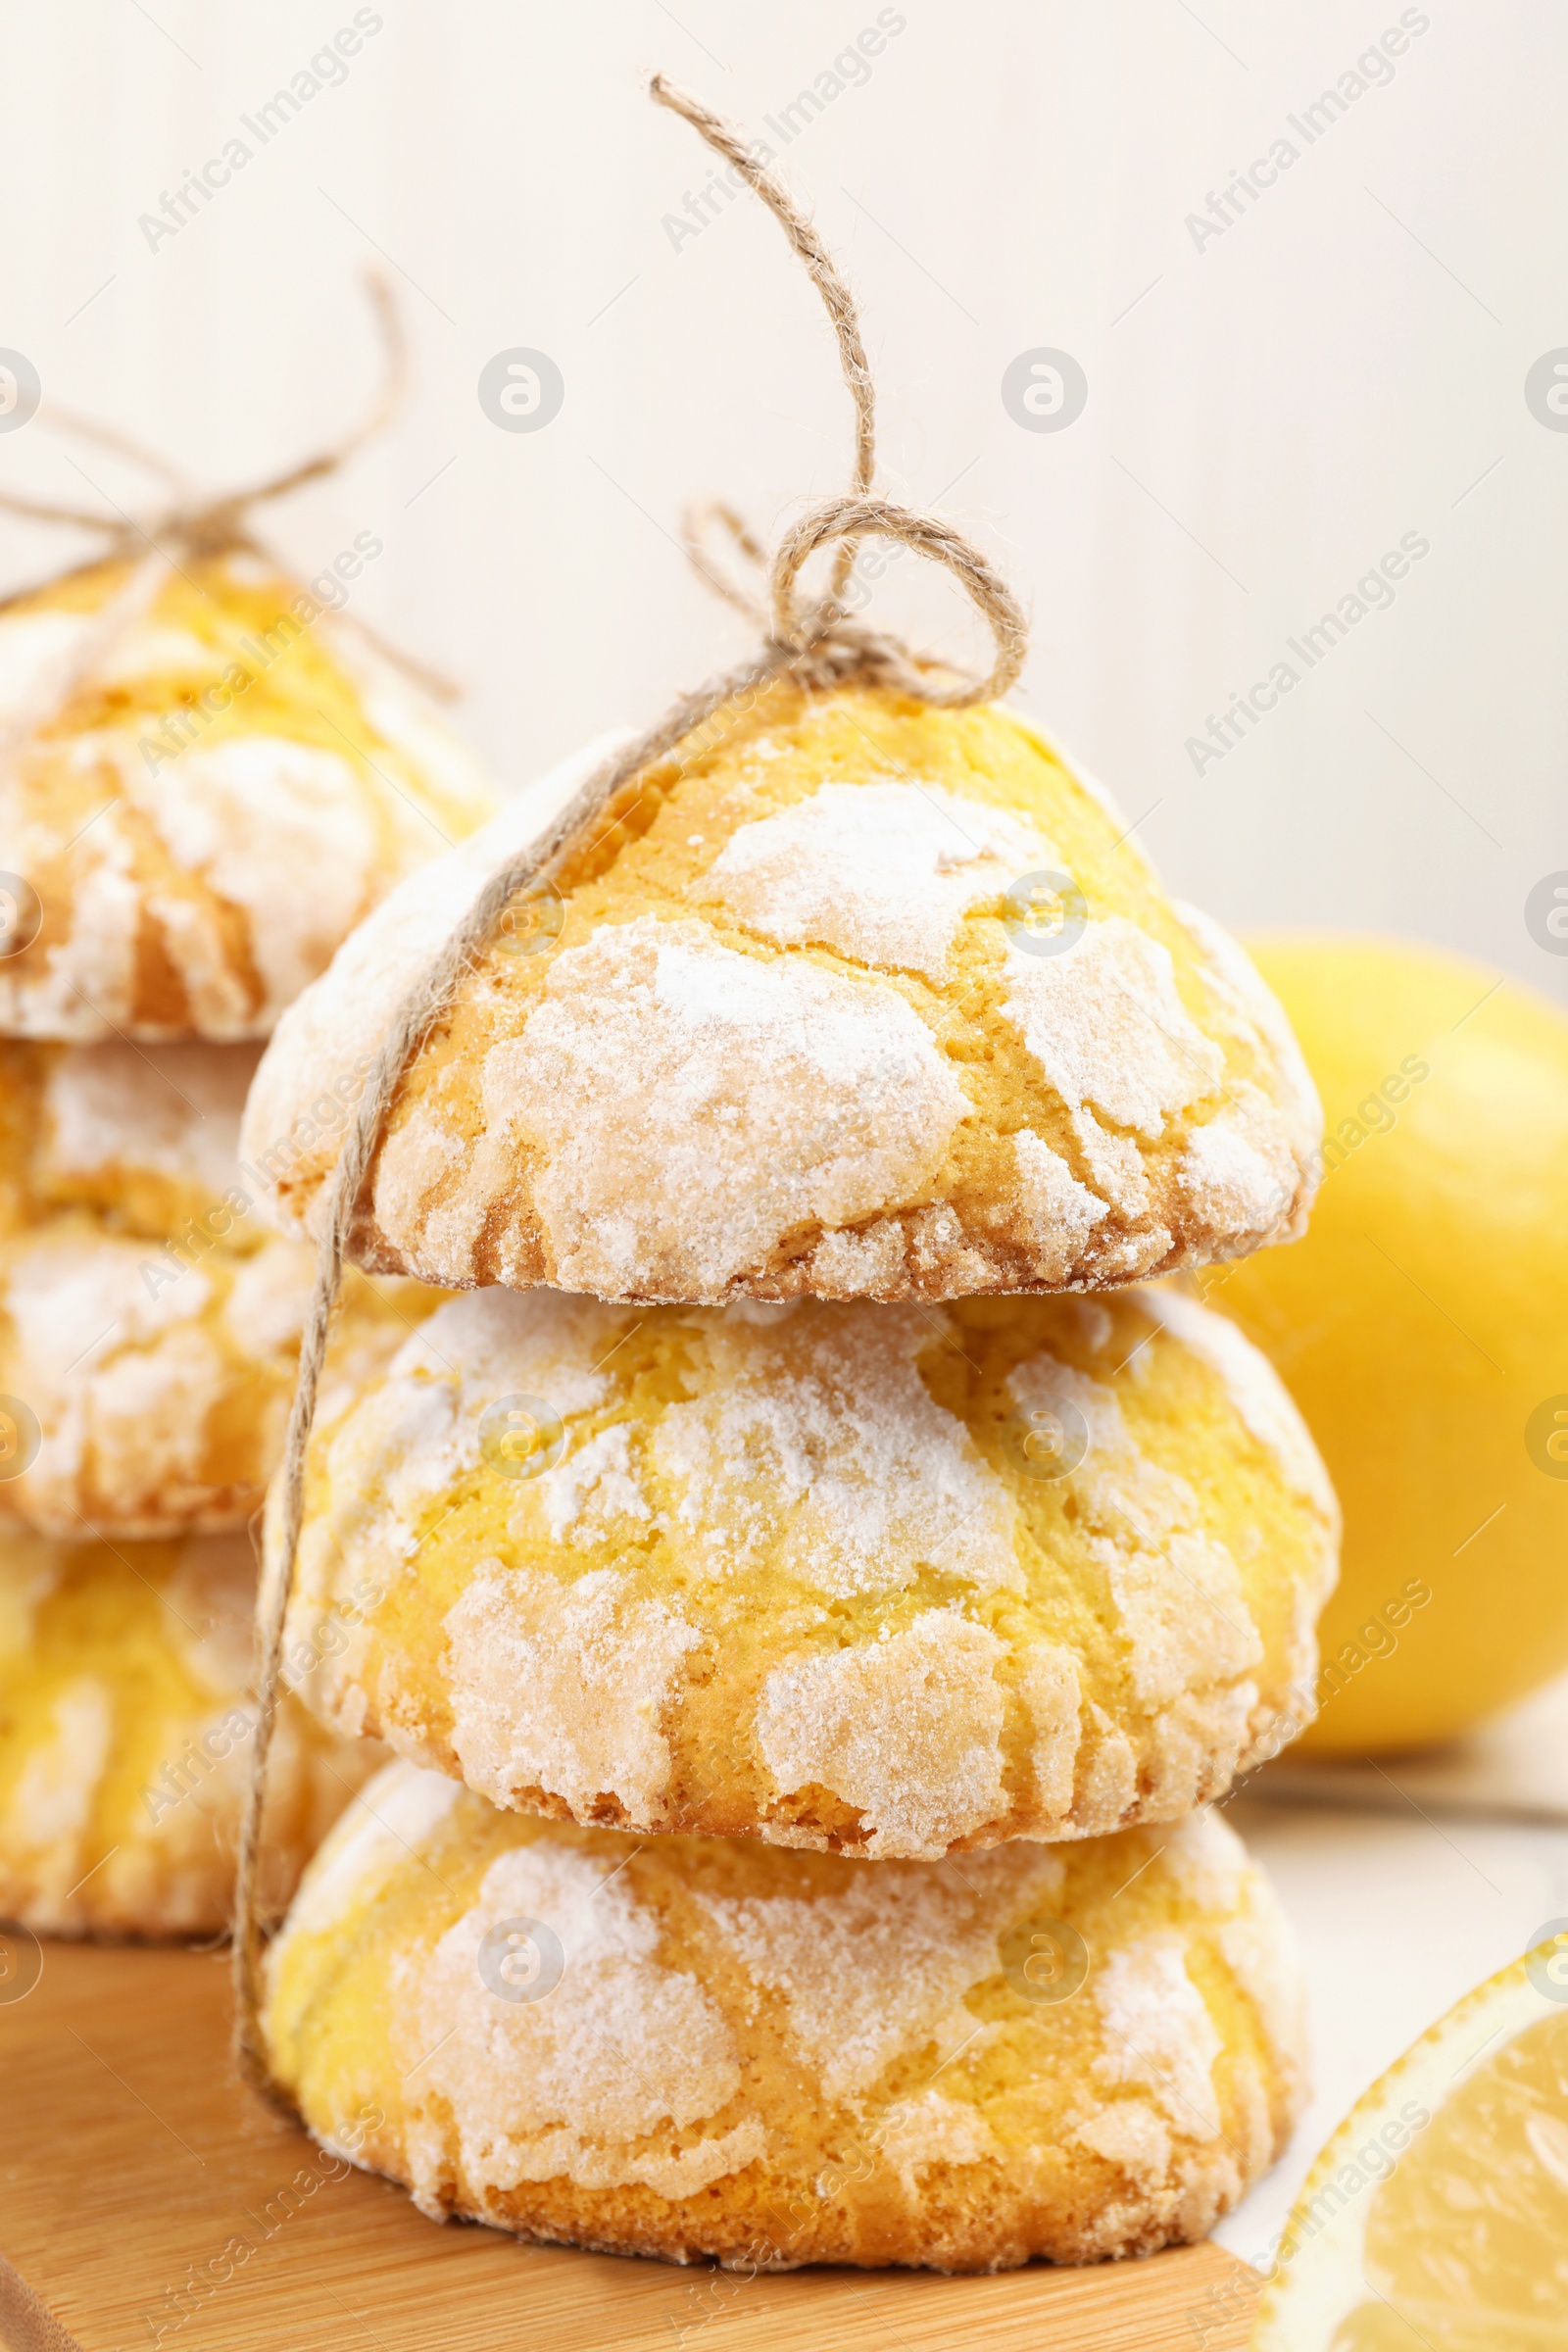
x: 201, y: 792
x: 818, y: 1595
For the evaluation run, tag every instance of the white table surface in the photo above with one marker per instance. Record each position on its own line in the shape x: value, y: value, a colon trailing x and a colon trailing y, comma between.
x: 1400, y: 1912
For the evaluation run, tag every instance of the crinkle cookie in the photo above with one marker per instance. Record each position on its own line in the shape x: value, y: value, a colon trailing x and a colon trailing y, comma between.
x: 187, y: 838
x: 126, y: 1725
x: 144, y: 1391
x: 147, y: 1136
x: 853, y: 999
x: 886, y: 1580
x: 710, y: 2048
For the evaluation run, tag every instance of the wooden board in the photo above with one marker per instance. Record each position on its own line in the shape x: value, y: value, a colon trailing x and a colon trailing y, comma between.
x: 131, y: 2158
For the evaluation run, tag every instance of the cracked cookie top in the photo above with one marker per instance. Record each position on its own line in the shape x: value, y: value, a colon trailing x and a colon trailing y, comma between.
x: 192, y: 830
x: 885, y: 1580
x: 848, y: 997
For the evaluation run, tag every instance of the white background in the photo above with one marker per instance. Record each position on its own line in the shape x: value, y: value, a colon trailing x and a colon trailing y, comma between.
x: 1341, y: 367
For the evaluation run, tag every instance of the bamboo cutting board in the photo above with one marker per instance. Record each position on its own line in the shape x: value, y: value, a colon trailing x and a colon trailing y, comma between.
x: 130, y: 2159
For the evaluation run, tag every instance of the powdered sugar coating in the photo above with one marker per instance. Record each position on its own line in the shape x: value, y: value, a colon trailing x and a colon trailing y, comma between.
x: 212, y: 809
x: 728, y: 2050
x: 1185, y: 1616
x: 881, y: 1969
x: 34, y: 645
x: 159, y: 1384
x: 279, y: 829
x: 1105, y: 1024
x: 1051, y: 1692
x: 339, y: 1024
x: 1238, y: 1172
x: 117, y: 1109
x: 1208, y: 1862
x: 690, y: 1107
x: 821, y: 1440
x: 918, y: 2136
x: 1252, y: 1012
x: 119, y: 1382
x: 125, y: 1722
x: 1159, y: 2032
x: 884, y: 872
x: 596, y: 1488
x: 907, y: 1730
x: 564, y: 1690
x: 378, y: 1832
x: 619, y: 2047
x: 1131, y: 2135
x: 51, y: 1798
x: 420, y: 1431
x: 1058, y: 1212
x: 1179, y: 1604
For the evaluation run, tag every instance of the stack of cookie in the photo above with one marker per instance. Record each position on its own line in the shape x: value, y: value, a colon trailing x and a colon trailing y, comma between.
x: 195, y: 808
x: 819, y: 1596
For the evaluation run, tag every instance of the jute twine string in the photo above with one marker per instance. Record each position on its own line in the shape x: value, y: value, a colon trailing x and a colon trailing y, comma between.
x: 837, y: 299
x: 816, y: 644
x: 220, y: 522
x: 189, y: 527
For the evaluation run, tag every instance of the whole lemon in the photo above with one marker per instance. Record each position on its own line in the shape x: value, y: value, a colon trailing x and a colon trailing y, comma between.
x: 1422, y: 1327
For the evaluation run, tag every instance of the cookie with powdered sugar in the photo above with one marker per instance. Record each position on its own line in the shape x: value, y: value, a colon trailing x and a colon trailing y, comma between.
x: 146, y: 1136
x: 149, y: 1318
x: 188, y: 831
x: 711, y: 2049
x: 849, y: 998
x: 145, y: 1393
x: 892, y: 1581
x: 126, y: 1729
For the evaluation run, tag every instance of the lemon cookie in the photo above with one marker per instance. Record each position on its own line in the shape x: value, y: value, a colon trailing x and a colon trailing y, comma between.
x: 853, y: 999
x: 709, y: 2048
x: 144, y: 1391
x: 146, y: 1135
x: 124, y: 1739
x: 889, y: 1579
x: 192, y: 832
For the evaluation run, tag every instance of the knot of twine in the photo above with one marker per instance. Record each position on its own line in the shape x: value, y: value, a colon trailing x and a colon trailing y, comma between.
x: 190, y: 527
x: 827, y: 645
x: 816, y: 641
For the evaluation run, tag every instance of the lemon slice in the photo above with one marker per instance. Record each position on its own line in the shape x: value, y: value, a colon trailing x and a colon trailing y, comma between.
x: 1438, y: 2213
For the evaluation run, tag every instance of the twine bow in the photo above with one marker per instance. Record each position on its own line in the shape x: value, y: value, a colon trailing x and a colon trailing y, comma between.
x: 218, y: 522
x: 190, y: 527
x: 816, y: 641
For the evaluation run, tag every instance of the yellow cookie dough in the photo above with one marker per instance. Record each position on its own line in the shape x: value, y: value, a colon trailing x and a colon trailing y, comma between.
x: 887, y: 1580
x: 189, y: 836
x: 851, y: 999
x: 125, y: 1727
x: 710, y: 2048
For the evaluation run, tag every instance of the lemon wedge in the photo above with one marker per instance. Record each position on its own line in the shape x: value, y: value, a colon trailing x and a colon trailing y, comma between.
x: 1436, y: 2216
